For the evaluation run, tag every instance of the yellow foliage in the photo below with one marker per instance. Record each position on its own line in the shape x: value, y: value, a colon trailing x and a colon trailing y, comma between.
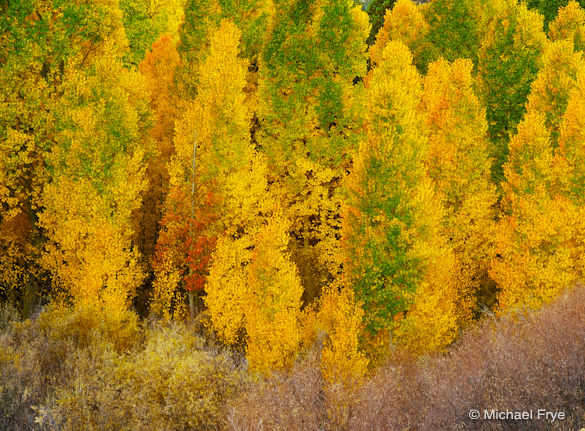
x: 535, y: 238
x: 441, y: 307
x: 549, y: 93
x: 274, y: 301
x: 569, y: 25
x: 459, y: 165
x: 407, y: 24
x: 253, y: 287
x: 396, y: 256
x: 341, y: 359
x: 213, y: 154
x: 98, y: 178
x: 227, y: 287
x: 87, y: 325
x: 165, y: 299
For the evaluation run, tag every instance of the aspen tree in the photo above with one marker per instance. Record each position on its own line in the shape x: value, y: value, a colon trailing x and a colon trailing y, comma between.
x: 556, y: 78
x: 508, y: 63
x: 406, y: 23
x: 459, y: 166
x: 159, y: 70
x: 569, y: 25
x: 309, y: 119
x: 215, y: 173
x: 40, y: 44
x: 533, y: 263
x: 395, y: 257
x: 97, y: 179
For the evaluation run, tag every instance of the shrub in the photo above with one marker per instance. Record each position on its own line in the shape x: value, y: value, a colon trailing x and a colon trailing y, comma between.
x: 174, y: 383
x: 520, y: 363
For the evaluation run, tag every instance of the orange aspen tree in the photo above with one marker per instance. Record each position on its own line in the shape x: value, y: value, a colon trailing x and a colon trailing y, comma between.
x: 459, y: 165
x: 216, y: 179
x: 158, y: 68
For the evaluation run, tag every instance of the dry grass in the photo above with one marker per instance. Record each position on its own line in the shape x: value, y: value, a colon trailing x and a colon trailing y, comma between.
x: 527, y: 362
x: 79, y: 372
x: 520, y: 363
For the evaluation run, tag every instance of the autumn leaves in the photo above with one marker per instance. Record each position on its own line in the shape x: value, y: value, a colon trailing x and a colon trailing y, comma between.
x: 260, y: 162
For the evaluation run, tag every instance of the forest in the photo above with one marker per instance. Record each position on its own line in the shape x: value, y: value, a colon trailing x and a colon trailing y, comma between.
x: 291, y: 214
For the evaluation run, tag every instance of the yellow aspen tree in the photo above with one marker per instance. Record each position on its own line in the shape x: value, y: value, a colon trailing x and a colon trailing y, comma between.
x: 459, y: 165
x: 556, y: 78
x: 395, y: 257
x: 406, y: 23
x: 533, y: 262
x: 341, y: 316
x: 227, y: 289
x: 537, y: 257
x: 569, y: 159
x: 39, y: 43
x: 272, y: 316
x: 569, y: 25
x: 309, y: 120
x: 97, y: 180
x: 200, y: 17
x: 508, y: 62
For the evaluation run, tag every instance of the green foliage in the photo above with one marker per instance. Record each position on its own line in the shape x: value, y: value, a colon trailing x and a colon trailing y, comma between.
x: 549, y: 8
x: 508, y: 63
x: 145, y: 21
x: 455, y: 28
x: 382, y: 204
x: 377, y: 11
